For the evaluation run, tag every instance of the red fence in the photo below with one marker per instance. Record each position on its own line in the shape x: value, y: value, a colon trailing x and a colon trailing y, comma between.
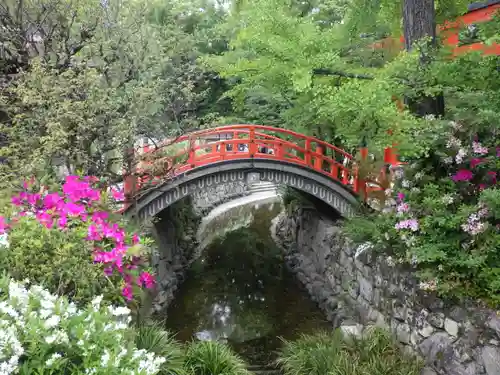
x: 243, y: 142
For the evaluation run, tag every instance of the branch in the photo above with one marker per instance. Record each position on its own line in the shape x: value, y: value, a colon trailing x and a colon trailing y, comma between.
x: 328, y: 72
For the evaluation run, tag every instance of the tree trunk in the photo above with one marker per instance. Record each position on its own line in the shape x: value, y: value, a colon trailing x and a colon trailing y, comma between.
x: 419, y: 22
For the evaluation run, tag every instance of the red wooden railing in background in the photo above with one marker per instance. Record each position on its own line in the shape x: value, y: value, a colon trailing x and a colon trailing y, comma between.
x: 246, y: 142
x: 450, y: 31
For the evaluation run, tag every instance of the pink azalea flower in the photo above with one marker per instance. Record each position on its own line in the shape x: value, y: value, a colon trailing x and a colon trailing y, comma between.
x: 118, y: 195
x: 62, y: 222
x: 99, y: 217
x: 401, y: 196
x: 475, y: 162
x: 147, y: 280
x: 51, y: 201
x: 403, y: 207
x: 462, y: 175
x: 127, y: 292
x: 411, y: 224
x: 45, y: 219
x: 73, y: 209
x: 3, y: 225
x: 479, y: 149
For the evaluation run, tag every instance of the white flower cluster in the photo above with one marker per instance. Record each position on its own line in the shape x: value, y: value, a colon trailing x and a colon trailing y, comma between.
x: 38, y: 327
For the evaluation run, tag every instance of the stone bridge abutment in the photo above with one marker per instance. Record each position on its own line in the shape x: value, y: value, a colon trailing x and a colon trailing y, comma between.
x: 369, y: 289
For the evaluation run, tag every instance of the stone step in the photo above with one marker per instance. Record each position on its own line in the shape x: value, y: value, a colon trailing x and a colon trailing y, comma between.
x: 262, y: 186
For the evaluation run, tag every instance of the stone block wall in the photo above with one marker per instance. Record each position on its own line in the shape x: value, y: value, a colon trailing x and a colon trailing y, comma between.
x: 356, y: 291
x: 212, y: 196
x: 174, y: 230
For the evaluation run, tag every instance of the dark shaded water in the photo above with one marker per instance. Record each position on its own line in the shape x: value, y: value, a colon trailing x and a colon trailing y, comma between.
x: 240, y: 292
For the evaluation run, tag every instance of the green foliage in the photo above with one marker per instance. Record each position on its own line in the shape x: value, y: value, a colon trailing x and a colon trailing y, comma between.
x: 213, y: 358
x: 154, y: 339
x: 331, y: 354
x: 97, y: 78
x: 452, y: 199
x: 60, y: 261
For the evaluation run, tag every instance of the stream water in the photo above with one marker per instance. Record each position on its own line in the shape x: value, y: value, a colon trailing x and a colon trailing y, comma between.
x: 240, y: 292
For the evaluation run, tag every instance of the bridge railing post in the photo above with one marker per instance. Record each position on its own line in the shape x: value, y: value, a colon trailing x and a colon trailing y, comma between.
x: 318, y: 162
x: 307, y: 155
x: 252, y: 147
x: 192, y: 153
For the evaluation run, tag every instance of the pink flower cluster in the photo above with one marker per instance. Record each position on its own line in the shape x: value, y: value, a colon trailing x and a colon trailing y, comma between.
x: 78, y: 202
x: 401, y: 209
x: 475, y: 225
x: 411, y: 224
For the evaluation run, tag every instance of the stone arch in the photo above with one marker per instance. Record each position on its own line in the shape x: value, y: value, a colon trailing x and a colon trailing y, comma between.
x: 331, y: 192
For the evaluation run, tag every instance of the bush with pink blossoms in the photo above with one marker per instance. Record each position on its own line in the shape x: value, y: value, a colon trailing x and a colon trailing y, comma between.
x: 71, y: 242
x: 443, y: 216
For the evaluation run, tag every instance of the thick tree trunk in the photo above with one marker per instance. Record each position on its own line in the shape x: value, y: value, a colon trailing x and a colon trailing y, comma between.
x: 419, y: 22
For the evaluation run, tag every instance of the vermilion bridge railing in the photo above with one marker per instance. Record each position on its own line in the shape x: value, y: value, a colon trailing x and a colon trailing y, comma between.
x: 232, y: 142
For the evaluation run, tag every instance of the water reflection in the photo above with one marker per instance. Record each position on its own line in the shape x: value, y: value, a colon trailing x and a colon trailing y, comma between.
x: 240, y: 292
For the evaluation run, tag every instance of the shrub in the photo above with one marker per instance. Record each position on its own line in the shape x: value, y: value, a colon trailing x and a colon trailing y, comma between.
x: 311, y: 354
x: 213, y: 358
x: 153, y: 338
x: 60, y: 261
x: 63, y: 240
x: 444, y: 216
x: 41, y: 333
x: 330, y: 354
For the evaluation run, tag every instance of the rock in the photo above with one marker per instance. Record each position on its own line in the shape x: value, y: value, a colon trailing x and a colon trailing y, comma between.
x: 428, y: 371
x: 377, y: 296
x: 494, y: 323
x: 403, y: 333
x: 436, y: 319
x: 451, y: 327
x: 457, y: 368
x: 398, y: 310
x: 458, y: 314
x: 365, y: 289
x: 350, y: 329
x: 437, y: 348
x: 426, y: 330
x: 491, y: 358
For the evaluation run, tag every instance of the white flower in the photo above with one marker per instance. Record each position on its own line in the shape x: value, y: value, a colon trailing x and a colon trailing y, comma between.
x: 460, y: 155
x: 406, y: 183
x: 96, y: 302
x: 119, y: 311
x: 52, y: 322
x: 42, y: 316
x: 105, y: 359
x: 453, y: 142
x: 448, y: 160
x: 447, y: 199
x: 52, y: 359
x: 4, y: 240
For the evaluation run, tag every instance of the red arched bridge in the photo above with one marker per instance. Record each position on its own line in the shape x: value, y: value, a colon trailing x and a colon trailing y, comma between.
x: 251, y: 153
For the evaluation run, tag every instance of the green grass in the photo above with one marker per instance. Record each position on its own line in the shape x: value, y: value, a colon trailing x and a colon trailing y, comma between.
x: 329, y: 354
x: 213, y: 358
x: 153, y: 338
